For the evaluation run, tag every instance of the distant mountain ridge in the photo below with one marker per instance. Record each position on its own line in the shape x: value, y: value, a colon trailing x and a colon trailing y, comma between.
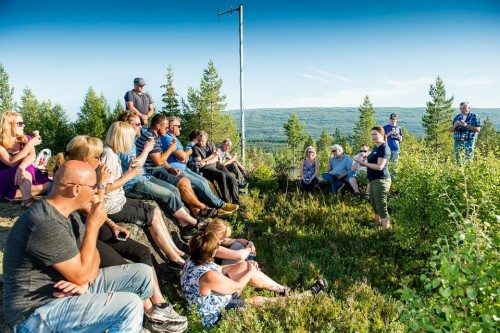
x: 266, y: 124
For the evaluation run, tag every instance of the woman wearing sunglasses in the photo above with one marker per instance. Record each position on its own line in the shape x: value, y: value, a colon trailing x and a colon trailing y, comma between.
x: 309, y: 168
x: 18, y: 176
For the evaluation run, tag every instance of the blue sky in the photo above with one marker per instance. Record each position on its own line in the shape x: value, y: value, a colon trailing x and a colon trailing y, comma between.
x: 314, y: 53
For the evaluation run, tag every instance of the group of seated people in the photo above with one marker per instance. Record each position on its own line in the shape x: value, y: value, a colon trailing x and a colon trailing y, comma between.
x: 68, y: 243
x: 341, y: 169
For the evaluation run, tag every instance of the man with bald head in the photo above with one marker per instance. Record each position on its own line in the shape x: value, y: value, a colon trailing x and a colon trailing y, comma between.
x: 49, y: 256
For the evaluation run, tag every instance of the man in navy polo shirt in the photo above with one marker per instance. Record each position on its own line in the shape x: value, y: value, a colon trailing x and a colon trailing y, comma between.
x: 394, y: 137
x: 140, y: 102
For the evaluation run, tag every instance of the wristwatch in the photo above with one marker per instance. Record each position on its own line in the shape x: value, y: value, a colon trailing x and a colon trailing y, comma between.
x: 101, y: 187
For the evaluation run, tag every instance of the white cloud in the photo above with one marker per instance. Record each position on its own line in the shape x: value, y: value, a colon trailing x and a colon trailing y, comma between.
x: 338, y: 77
x: 316, y: 78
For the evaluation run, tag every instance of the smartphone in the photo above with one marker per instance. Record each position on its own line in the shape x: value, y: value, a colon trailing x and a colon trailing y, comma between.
x: 122, y: 236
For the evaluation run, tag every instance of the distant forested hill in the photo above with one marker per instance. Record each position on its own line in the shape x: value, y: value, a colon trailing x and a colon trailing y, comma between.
x: 267, y: 124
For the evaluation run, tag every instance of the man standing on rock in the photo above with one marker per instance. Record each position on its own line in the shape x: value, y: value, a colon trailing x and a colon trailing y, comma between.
x: 50, y: 257
x: 138, y: 101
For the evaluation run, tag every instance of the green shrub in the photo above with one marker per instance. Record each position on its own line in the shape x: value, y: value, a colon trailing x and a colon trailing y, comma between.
x: 263, y: 179
x: 462, y: 289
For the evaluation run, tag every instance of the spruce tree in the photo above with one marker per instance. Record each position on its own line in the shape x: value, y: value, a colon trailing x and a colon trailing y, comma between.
x: 205, y: 111
x: 438, y: 118
x: 55, y: 129
x: 294, y: 132
x: 324, y: 141
x: 488, y: 139
x: 6, y: 92
x: 93, y: 115
x: 308, y: 141
x: 30, y: 109
x: 172, y: 106
x: 365, y: 124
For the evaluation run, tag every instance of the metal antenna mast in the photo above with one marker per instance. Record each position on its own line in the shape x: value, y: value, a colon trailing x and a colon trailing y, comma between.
x: 242, y: 82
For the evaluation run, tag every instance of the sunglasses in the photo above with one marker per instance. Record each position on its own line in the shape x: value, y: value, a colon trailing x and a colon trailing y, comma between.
x: 20, y: 123
x: 310, y: 152
x: 334, y: 151
x: 91, y: 186
x: 363, y: 151
x: 136, y: 124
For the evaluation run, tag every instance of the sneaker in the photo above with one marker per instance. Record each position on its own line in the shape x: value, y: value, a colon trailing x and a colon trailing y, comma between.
x: 320, y: 285
x: 164, y: 312
x: 222, y: 212
x: 170, y: 327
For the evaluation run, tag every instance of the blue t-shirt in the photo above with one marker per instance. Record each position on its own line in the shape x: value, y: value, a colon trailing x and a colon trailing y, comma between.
x: 339, y: 167
x: 381, y: 151
x: 125, y: 159
x: 392, y: 140
x: 172, y: 160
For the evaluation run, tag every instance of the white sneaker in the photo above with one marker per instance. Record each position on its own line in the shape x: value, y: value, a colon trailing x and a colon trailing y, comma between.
x: 170, y: 327
x: 165, y: 313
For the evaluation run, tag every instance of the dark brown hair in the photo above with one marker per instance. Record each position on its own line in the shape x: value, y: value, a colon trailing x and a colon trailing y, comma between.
x: 202, y: 247
x: 381, y: 131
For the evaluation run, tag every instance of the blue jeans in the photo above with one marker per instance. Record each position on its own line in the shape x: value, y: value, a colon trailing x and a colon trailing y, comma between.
x: 334, y: 184
x: 464, y: 147
x: 166, y: 195
x: 394, y: 163
x: 202, y: 189
x: 113, y: 302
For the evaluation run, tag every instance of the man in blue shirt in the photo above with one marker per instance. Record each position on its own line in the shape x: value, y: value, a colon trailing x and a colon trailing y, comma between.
x: 178, y: 159
x: 394, y: 137
x: 338, y: 169
x: 465, y: 127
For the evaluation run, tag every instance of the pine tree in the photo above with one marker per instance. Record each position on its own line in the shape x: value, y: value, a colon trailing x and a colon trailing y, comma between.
x: 488, y: 138
x: 113, y: 115
x: 6, y: 93
x: 172, y: 107
x: 365, y: 124
x: 205, y: 111
x: 308, y: 141
x: 438, y: 118
x: 93, y: 115
x: 294, y: 132
x: 55, y: 129
x: 337, y: 136
x: 324, y: 141
x: 30, y: 109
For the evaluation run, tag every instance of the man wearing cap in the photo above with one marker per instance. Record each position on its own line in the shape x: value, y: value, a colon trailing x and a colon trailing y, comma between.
x: 338, y: 169
x: 394, y: 137
x: 140, y: 102
x: 465, y: 128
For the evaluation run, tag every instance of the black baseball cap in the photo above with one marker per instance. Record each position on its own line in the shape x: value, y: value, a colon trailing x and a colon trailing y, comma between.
x: 393, y: 116
x: 139, y: 81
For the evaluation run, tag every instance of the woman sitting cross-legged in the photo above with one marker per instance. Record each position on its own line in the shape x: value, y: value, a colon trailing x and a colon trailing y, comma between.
x: 212, y: 287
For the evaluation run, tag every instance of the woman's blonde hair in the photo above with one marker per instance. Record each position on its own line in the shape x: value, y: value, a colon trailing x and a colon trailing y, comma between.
x: 202, y: 247
x: 310, y: 148
x: 80, y: 148
x: 219, y: 227
x: 7, y: 128
x: 120, y: 136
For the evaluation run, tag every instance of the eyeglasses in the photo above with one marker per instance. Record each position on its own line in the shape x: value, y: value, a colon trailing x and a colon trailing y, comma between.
x: 363, y: 151
x: 177, y: 126
x: 334, y: 151
x: 100, y: 156
x: 136, y: 124
x: 20, y: 123
x: 310, y: 152
x: 91, y: 186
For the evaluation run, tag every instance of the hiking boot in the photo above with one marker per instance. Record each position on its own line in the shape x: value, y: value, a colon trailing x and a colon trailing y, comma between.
x: 320, y: 285
x: 170, y: 327
x: 164, y: 312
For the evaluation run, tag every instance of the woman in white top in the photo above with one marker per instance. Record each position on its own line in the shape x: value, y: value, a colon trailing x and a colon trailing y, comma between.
x: 119, y: 139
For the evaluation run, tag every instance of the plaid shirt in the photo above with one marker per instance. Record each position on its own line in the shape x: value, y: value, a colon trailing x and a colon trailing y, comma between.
x: 464, y: 134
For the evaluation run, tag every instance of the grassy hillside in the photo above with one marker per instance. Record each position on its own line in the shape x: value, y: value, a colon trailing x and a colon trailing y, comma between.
x: 267, y: 124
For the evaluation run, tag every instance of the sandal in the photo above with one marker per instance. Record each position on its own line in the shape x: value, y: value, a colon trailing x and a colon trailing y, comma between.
x: 320, y: 285
x: 28, y: 202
